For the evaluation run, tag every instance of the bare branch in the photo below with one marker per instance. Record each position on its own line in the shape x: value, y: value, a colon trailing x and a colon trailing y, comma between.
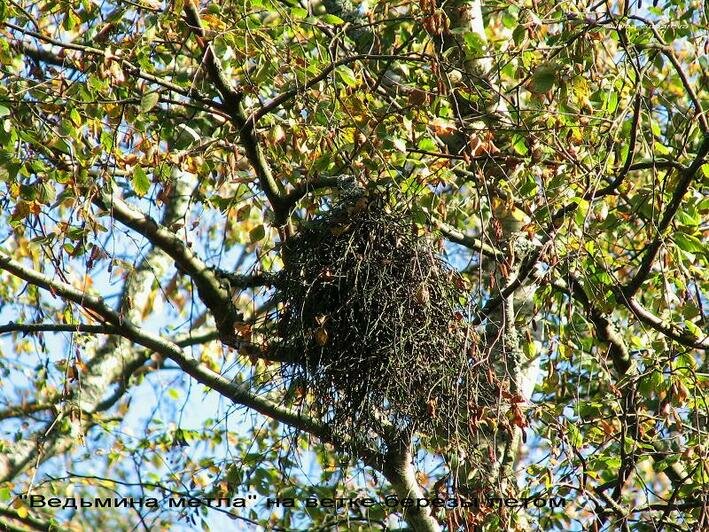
x: 526, y: 269
x: 43, y: 55
x: 68, y: 292
x: 302, y: 189
x: 634, y: 127
x: 33, y: 328
x: 399, y: 471
x: 620, y: 356
x: 24, y: 410
x: 279, y: 100
x: 113, y: 361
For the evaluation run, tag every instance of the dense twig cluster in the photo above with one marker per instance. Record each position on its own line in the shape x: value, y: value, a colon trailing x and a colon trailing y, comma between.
x: 379, y: 326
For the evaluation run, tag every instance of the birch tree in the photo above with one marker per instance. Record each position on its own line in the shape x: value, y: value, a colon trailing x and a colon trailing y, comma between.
x: 157, y: 158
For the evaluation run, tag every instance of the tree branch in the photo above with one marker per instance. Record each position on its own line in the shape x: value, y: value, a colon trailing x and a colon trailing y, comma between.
x: 681, y: 189
x: 233, y: 105
x: 57, y: 288
x: 618, y: 351
x: 32, y: 328
x: 525, y: 271
x: 357, y: 24
x: 212, y: 292
x: 669, y: 54
x: 45, y: 56
x: 24, y: 410
x: 192, y: 367
x: 112, y: 361
x: 279, y: 100
x: 635, y: 126
x: 452, y: 234
x: 648, y: 318
x: 302, y: 189
x: 34, y: 524
x: 399, y: 471
x: 126, y: 65
x: 620, y: 356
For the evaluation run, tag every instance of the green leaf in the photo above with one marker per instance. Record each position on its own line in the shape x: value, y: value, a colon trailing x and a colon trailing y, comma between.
x: 67, y: 128
x: 148, y: 101
x: 611, y: 101
x: 651, y: 384
x: 257, y: 233
x: 693, y: 329
x: 70, y: 21
x: 655, y: 127
x: 661, y: 149
x: 4, y: 111
x: 661, y: 465
x: 581, y: 210
x: 509, y: 20
x: 347, y: 75
x: 575, y: 438
x: 427, y: 144
x: 686, y: 360
x: 298, y: 13
x: 140, y: 181
x: 332, y: 19
x: 243, y: 213
x: 543, y: 78
x: 106, y: 141
x: 519, y: 145
x: 75, y: 117
x: 474, y: 43
x: 688, y: 243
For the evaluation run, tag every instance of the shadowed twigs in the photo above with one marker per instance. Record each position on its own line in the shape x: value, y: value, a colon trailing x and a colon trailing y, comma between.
x: 381, y: 326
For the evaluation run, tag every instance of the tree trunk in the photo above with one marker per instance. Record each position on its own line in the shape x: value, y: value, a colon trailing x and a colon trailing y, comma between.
x: 399, y: 471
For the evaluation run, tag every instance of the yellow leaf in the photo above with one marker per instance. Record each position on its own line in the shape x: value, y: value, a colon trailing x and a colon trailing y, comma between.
x: 422, y: 295
x: 149, y: 303
x: 443, y: 127
x: 22, y: 209
x: 321, y: 336
x: 214, y: 23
